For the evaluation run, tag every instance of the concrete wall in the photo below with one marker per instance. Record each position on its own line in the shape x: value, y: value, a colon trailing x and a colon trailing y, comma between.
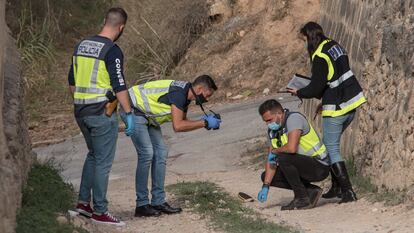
x: 15, y: 152
x: 378, y: 36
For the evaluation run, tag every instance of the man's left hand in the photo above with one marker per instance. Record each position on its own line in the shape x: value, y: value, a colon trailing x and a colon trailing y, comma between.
x: 271, y: 158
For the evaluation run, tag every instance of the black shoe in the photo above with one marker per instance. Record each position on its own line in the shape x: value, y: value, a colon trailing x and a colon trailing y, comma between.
x: 348, y: 196
x: 341, y: 174
x: 298, y: 204
x: 146, y: 211
x: 167, y: 209
x: 314, y: 194
x: 335, y: 190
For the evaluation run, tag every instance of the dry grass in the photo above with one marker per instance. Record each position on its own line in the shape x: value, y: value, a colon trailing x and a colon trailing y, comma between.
x: 46, y: 32
x: 160, y: 36
x: 44, y: 28
x: 157, y: 35
x: 226, y: 213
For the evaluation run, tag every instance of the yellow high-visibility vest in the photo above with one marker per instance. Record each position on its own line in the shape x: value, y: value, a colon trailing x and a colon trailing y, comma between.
x: 309, y: 144
x: 334, y: 101
x: 145, y: 98
x: 92, y: 80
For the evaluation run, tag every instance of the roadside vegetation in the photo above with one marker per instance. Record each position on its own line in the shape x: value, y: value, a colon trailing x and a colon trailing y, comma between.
x: 157, y: 36
x: 46, y: 32
x: 46, y: 198
x: 225, y: 213
x: 366, y: 188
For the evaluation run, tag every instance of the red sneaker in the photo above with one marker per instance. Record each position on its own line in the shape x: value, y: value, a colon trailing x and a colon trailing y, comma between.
x: 107, y: 218
x: 84, y: 209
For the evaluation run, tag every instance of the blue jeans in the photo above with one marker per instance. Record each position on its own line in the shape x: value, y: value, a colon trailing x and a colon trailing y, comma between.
x: 333, y: 127
x: 152, y: 153
x: 100, y: 133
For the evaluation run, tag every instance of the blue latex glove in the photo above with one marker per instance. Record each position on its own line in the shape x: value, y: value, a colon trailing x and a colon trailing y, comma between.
x: 262, y: 196
x: 271, y: 158
x: 212, y: 121
x: 130, y: 124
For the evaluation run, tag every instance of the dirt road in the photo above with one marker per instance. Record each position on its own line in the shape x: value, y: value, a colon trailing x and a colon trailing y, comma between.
x: 215, y: 156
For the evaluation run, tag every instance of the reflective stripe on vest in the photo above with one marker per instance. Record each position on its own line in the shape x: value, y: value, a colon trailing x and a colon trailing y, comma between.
x: 91, y: 90
x: 90, y: 101
x: 319, y: 53
x: 330, y: 109
x: 92, y: 80
x: 341, y: 79
x: 309, y: 144
x: 145, y: 98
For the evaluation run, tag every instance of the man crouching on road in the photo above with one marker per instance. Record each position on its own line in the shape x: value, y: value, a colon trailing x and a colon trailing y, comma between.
x: 296, y: 157
x: 155, y: 103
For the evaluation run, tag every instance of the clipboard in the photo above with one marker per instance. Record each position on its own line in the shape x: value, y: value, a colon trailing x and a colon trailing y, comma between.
x: 298, y: 81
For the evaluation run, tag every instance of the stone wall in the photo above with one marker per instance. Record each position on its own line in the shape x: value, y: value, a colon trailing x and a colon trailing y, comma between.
x: 378, y: 36
x: 15, y: 152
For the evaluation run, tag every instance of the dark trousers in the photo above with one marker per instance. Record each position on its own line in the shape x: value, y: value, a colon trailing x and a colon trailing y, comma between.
x: 296, y: 172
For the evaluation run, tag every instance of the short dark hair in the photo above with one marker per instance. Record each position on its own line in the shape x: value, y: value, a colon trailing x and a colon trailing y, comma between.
x: 116, y: 16
x: 314, y: 35
x: 206, y: 81
x: 270, y: 105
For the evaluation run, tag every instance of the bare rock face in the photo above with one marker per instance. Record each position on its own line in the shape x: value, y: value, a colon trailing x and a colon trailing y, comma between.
x: 378, y: 37
x: 252, y: 47
x: 15, y: 152
x: 220, y: 8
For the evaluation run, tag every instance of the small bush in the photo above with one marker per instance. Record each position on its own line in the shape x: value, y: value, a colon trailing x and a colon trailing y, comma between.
x: 44, y: 28
x: 225, y: 212
x: 364, y: 186
x: 44, y: 196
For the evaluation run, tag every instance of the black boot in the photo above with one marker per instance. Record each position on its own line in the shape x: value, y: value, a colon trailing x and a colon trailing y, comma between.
x: 335, y: 190
x: 314, y: 193
x: 341, y: 174
x: 298, y: 204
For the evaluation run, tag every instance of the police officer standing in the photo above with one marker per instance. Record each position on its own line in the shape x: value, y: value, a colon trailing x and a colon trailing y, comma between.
x: 334, y: 82
x: 155, y: 103
x: 96, y: 73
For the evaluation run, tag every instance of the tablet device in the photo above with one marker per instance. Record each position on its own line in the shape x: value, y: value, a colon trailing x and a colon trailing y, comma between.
x: 298, y: 81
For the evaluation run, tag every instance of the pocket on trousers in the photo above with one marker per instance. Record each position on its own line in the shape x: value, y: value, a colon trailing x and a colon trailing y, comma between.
x: 140, y: 120
x: 100, y: 125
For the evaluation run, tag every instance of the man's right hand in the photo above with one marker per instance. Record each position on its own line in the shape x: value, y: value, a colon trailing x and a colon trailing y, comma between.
x: 212, y: 121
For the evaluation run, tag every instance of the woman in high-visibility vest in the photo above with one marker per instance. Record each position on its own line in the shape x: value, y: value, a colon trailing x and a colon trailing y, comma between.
x: 334, y: 82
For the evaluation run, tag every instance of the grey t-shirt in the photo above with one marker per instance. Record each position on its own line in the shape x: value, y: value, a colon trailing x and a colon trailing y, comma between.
x: 297, y: 121
x: 294, y: 121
